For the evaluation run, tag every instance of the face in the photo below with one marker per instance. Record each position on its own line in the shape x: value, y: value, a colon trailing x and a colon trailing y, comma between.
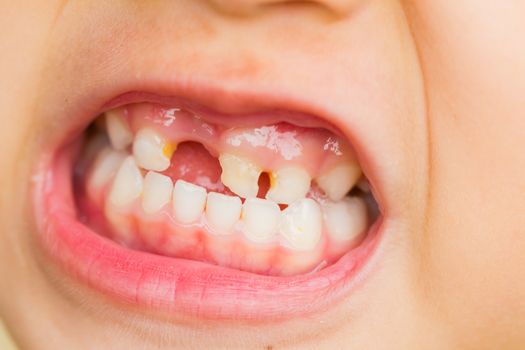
x: 263, y: 174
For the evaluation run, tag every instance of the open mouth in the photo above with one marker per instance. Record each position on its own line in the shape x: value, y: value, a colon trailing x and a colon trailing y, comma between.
x: 170, y: 205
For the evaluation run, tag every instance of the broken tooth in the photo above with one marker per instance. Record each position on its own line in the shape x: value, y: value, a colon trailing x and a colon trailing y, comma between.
x: 152, y: 151
x: 127, y: 185
x: 288, y: 185
x: 261, y: 219
x: 301, y: 224
x: 118, y: 130
x: 345, y: 220
x: 222, y: 211
x: 157, y: 192
x: 188, y: 202
x: 240, y: 175
x: 338, y: 181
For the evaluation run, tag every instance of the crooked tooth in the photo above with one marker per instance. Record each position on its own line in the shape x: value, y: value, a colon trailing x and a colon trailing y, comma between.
x: 337, y: 182
x: 240, y: 175
x: 222, y: 211
x: 188, y: 201
x: 345, y: 219
x: 288, y: 185
x: 301, y: 224
x: 157, y: 192
x: 261, y: 219
x: 119, y: 132
x: 152, y: 151
x: 127, y: 185
x: 105, y: 167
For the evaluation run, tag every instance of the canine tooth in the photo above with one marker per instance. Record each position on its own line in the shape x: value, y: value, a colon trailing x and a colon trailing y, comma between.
x: 128, y: 183
x: 105, y: 167
x: 301, y: 224
x: 345, y: 219
x: 261, y: 219
x: 288, y: 185
x: 157, y: 192
x: 119, y: 132
x: 152, y: 151
x: 337, y: 182
x: 222, y: 211
x: 188, y: 201
x: 240, y: 175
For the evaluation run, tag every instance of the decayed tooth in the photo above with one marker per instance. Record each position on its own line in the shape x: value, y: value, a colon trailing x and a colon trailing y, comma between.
x: 261, y: 219
x: 337, y: 182
x: 288, y: 185
x: 105, y: 167
x: 345, y: 219
x: 240, y: 175
x: 128, y: 183
x: 301, y: 224
x: 188, y: 201
x: 157, y: 192
x: 152, y: 151
x: 222, y: 211
x: 119, y: 132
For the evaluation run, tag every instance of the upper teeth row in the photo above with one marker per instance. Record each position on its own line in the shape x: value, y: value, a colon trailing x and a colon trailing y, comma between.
x: 241, y: 175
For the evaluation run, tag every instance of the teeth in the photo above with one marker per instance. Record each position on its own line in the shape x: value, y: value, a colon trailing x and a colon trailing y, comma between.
x: 346, y: 219
x: 240, y: 175
x: 128, y: 183
x: 188, y: 201
x: 105, y: 167
x: 157, y: 192
x: 261, y: 219
x: 339, y: 181
x: 118, y: 130
x: 152, y: 151
x: 222, y: 211
x: 288, y: 185
x: 301, y: 224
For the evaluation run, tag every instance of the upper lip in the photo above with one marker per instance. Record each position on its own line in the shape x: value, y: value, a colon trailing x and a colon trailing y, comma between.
x: 177, y: 286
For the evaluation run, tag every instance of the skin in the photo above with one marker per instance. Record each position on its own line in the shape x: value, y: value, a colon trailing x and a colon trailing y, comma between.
x: 438, y: 84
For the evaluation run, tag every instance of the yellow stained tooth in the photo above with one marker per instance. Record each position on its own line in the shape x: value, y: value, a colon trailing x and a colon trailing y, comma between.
x: 169, y: 149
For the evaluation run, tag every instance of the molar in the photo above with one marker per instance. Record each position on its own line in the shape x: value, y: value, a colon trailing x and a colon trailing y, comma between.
x: 222, y: 212
x: 338, y: 181
x: 118, y: 130
x: 128, y: 183
x: 288, y: 185
x: 301, y: 224
x: 345, y: 220
x: 157, y: 192
x: 152, y: 151
x: 261, y: 219
x: 189, y: 201
x: 240, y: 175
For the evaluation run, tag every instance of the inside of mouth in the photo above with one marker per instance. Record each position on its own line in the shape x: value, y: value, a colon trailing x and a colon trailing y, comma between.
x: 264, y: 195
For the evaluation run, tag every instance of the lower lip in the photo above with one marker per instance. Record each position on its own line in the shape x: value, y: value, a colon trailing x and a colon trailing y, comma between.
x: 177, y: 286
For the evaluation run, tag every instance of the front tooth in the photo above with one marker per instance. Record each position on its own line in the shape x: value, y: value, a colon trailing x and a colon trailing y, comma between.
x: 222, y: 211
x: 128, y: 183
x: 337, y: 182
x: 346, y: 219
x: 118, y: 130
x: 188, y: 202
x: 152, y: 151
x: 301, y: 224
x: 105, y: 167
x: 240, y: 175
x: 157, y: 192
x: 261, y: 219
x: 288, y: 185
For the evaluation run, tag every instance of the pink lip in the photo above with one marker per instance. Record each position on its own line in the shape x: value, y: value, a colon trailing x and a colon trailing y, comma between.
x: 171, y: 285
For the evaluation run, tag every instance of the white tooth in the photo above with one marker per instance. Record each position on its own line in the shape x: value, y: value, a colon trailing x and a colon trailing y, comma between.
x: 301, y: 224
x: 288, y: 185
x: 105, y: 167
x: 346, y: 219
x: 240, y: 175
x: 157, y: 192
x: 188, y: 201
x: 118, y: 130
x: 222, y: 211
x: 128, y: 183
x: 261, y: 219
x: 337, y: 182
x: 152, y: 151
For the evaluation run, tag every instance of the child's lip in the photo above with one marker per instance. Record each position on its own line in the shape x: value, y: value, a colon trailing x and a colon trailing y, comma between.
x: 173, y: 285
